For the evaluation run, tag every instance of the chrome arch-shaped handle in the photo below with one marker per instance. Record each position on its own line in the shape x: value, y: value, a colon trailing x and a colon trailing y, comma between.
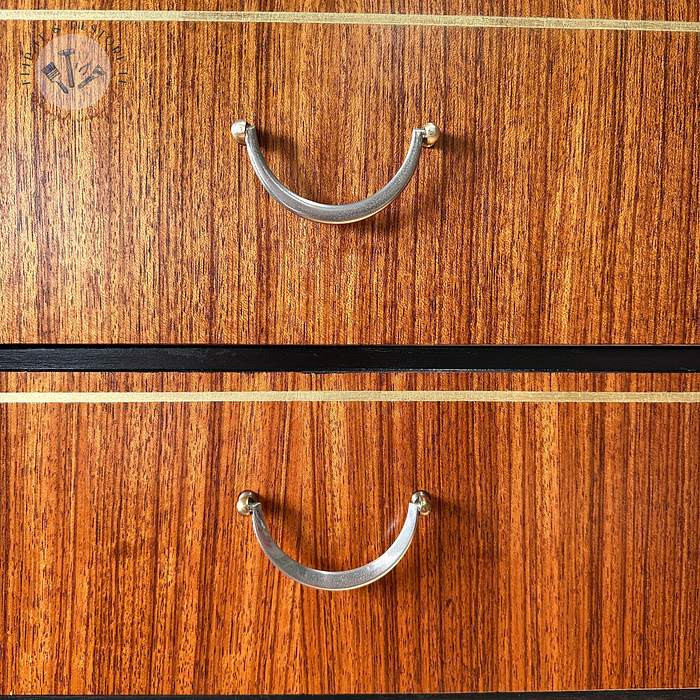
x: 249, y: 504
x: 245, y: 134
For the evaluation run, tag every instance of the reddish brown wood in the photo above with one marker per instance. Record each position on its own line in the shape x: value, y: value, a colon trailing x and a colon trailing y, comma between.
x: 561, y: 206
x: 683, y: 10
x: 562, y: 551
x: 288, y: 381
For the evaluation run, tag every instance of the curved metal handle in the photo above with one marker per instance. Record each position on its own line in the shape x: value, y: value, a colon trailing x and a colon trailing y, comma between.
x: 245, y: 134
x: 249, y: 504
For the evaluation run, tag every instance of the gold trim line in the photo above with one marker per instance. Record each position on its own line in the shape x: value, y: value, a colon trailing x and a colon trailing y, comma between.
x: 99, y: 397
x: 353, y: 18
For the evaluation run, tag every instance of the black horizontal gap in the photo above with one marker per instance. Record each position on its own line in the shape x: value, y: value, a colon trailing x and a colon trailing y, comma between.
x: 350, y: 358
x: 665, y: 694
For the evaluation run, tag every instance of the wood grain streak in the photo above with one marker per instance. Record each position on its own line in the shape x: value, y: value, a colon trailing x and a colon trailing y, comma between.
x: 562, y: 552
x: 561, y: 206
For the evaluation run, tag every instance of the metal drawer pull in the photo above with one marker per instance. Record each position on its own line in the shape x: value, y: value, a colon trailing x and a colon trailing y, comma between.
x: 249, y: 504
x: 245, y: 134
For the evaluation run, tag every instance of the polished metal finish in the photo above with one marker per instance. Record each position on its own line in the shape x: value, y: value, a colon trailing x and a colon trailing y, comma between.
x: 431, y: 135
x: 422, y: 499
x: 238, y: 130
x: 248, y: 503
x: 245, y: 133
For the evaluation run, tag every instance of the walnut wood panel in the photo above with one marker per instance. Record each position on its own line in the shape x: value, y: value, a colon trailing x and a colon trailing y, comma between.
x: 561, y: 206
x: 562, y: 552
x: 674, y: 10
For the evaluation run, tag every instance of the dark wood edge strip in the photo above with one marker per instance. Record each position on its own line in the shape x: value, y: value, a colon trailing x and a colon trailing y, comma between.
x: 320, y: 359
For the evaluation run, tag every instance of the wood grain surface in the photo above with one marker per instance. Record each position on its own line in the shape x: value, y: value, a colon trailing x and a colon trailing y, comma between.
x: 561, y: 206
x: 674, y: 10
x: 562, y: 552
x: 68, y: 382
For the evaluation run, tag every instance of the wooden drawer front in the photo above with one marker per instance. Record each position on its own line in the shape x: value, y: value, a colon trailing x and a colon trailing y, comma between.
x: 562, y: 552
x: 560, y: 206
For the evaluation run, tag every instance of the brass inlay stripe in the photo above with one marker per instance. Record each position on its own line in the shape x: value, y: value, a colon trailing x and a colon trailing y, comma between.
x: 353, y: 18
x: 95, y: 397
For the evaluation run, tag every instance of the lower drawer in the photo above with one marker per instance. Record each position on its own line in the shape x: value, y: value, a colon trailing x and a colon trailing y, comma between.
x: 562, y: 551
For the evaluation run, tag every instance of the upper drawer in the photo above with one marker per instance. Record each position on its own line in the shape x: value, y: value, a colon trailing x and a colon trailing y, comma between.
x: 560, y: 205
